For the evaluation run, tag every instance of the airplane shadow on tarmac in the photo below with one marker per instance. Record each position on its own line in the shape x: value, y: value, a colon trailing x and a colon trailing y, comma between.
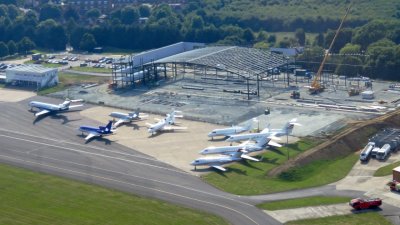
x: 218, y: 139
x: 55, y: 116
x: 165, y: 131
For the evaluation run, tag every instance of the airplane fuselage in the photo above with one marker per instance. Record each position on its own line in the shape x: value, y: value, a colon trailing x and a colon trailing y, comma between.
x: 243, y: 137
x: 230, y: 149
x: 214, y: 160
x: 125, y: 116
x: 88, y: 129
x: 47, y: 106
x: 226, y: 131
x: 157, y: 127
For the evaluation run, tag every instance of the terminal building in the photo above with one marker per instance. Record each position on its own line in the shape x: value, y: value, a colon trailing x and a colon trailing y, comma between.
x: 35, y: 76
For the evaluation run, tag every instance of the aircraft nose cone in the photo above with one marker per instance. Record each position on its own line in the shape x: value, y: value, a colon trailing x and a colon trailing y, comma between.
x: 193, y: 163
x: 209, y: 135
x: 203, y: 151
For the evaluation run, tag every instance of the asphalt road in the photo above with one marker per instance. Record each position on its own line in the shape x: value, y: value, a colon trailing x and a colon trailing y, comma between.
x: 53, y: 145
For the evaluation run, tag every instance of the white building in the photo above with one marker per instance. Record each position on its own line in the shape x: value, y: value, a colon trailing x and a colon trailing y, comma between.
x: 34, y: 75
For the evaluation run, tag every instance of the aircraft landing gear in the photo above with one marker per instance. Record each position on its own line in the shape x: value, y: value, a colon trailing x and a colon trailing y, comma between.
x: 195, y: 168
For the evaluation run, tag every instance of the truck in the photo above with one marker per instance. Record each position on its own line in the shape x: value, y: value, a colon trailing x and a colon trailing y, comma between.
x: 366, y: 152
x: 360, y: 203
x: 302, y: 73
x: 383, y: 152
x: 374, y: 151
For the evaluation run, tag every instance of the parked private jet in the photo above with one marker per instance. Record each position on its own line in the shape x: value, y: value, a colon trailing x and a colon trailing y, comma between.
x: 127, y: 117
x: 217, y: 161
x: 97, y: 131
x: 232, y: 130
x: 163, y: 124
x: 272, y: 133
x: 46, y: 108
x: 245, y: 147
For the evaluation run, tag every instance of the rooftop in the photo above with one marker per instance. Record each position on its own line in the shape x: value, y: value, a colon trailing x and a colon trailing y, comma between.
x: 235, y: 59
x: 30, y: 68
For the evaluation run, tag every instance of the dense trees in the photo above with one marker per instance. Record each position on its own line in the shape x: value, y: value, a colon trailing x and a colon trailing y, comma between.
x: 372, y: 46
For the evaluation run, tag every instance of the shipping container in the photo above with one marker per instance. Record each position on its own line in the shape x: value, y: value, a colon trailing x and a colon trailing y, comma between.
x: 396, y: 174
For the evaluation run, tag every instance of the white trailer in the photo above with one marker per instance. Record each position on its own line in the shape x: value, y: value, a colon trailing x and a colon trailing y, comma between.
x: 383, y: 152
x: 366, y: 152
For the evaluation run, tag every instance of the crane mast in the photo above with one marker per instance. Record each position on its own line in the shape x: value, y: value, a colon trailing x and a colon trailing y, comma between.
x: 316, y: 86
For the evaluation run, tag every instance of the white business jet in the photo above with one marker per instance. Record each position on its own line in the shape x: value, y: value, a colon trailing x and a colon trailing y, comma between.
x: 127, y: 117
x: 271, y: 133
x: 245, y: 147
x: 164, y: 124
x: 232, y: 130
x: 217, y: 161
x: 46, y: 108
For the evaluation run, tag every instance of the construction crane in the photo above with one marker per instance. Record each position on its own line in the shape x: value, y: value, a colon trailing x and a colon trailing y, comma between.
x: 316, y: 86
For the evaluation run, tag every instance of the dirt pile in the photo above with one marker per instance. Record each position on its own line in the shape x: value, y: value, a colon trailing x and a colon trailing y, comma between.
x: 349, y: 141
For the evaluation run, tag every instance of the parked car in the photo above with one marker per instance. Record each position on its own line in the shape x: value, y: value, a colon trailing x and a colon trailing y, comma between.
x: 360, y: 203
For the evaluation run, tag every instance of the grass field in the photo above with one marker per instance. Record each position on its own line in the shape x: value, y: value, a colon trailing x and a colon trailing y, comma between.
x: 370, y: 218
x: 303, y: 202
x: 386, y: 170
x: 92, y: 69
x: 250, y: 178
x: 67, y: 79
x: 32, y: 198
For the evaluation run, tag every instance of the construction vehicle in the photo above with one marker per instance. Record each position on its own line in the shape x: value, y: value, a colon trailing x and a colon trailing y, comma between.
x: 394, y: 185
x: 360, y: 203
x: 353, y: 91
x: 295, y: 95
x: 316, y: 86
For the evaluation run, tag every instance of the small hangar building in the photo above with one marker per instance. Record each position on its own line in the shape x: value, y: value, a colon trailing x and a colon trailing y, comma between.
x: 32, y: 75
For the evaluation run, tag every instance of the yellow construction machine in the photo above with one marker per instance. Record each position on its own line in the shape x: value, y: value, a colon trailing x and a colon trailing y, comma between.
x: 316, y: 86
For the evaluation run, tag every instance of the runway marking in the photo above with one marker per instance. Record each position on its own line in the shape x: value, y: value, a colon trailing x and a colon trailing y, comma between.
x: 131, y: 184
x: 144, y: 178
x: 72, y: 143
x: 96, y: 154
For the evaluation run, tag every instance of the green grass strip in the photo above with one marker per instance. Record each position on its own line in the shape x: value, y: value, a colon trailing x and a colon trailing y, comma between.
x: 386, y: 170
x: 370, y: 218
x: 250, y: 178
x: 303, y: 202
x: 33, y: 198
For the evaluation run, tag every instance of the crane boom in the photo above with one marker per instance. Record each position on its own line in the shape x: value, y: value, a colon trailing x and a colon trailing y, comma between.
x: 316, y: 86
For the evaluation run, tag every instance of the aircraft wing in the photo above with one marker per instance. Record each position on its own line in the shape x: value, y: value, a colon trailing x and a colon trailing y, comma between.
x: 149, y: 124
x: 74, y: 106
x: 43, y: 112
x: 174, y: 128
x: 142, y: 115
x: 273, y: 143
x: 119, y: 122
x: 249, y: 158
x: 218, y: 167
x: 91, y: 135
x: 273, y: 137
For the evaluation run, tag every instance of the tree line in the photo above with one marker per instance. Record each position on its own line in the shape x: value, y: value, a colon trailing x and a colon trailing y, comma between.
x: 53, y: 27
